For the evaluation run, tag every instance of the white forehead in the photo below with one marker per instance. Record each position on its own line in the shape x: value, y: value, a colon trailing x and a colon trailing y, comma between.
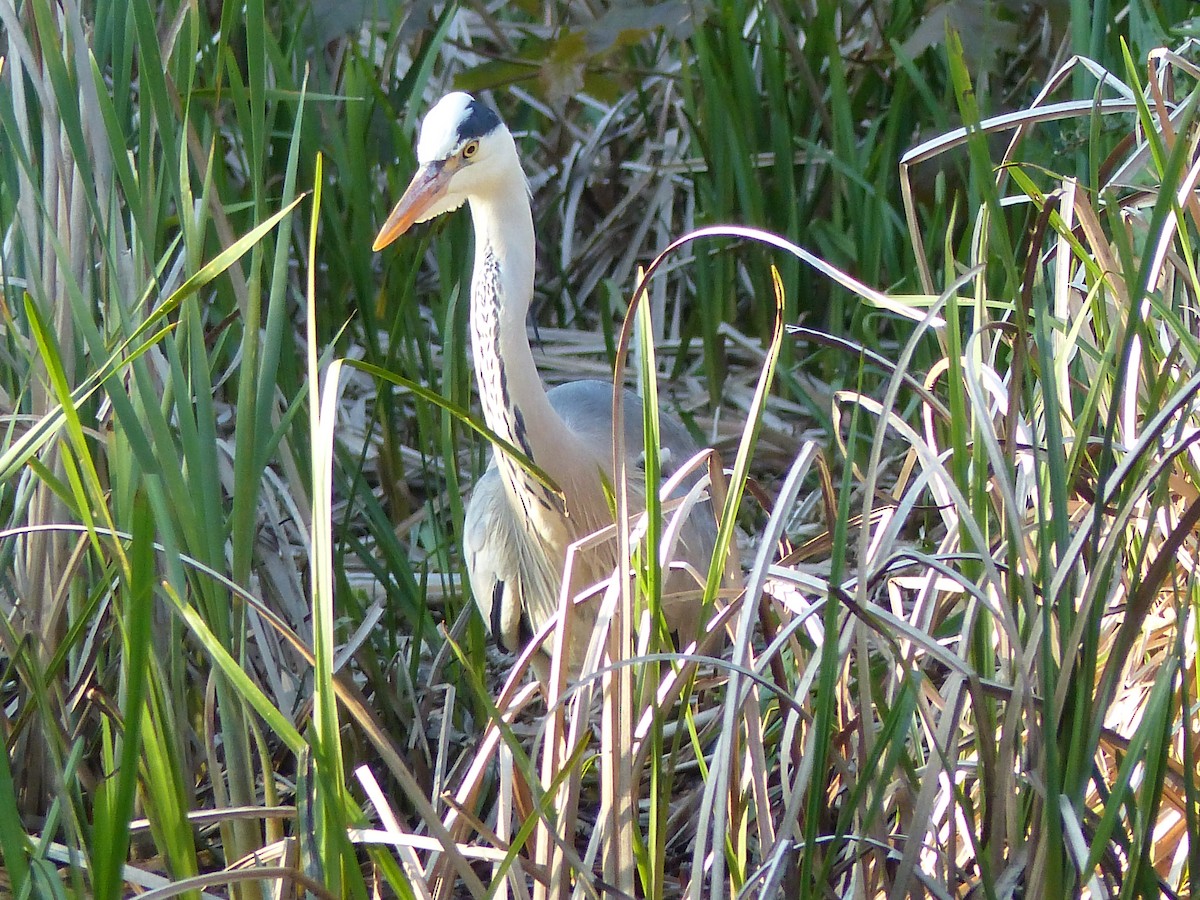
x: 440, y: 130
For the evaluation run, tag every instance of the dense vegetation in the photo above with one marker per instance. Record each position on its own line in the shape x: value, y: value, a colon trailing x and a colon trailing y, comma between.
x: 959, y: 655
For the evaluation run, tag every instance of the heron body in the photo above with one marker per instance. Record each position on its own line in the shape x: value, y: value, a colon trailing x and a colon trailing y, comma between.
x: 516, y: 530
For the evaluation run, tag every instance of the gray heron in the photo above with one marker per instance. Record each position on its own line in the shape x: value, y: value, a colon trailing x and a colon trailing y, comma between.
x: 516, y: 531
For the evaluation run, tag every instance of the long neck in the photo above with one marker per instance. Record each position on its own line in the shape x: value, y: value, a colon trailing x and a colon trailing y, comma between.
x: 513, y: 398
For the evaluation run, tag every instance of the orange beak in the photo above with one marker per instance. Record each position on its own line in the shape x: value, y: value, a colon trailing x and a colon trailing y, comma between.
x: 425, y: 189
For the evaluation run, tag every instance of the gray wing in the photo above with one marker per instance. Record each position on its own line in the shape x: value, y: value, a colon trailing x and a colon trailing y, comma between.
x: 586, y: 408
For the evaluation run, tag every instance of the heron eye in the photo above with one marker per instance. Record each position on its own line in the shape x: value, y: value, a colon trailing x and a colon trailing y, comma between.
x: 470, y: 149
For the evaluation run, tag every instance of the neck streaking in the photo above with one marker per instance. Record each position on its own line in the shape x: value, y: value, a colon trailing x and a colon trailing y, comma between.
x: 514, y: 401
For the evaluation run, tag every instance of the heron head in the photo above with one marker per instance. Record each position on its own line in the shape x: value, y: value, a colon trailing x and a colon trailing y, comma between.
x: 463, y: 150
